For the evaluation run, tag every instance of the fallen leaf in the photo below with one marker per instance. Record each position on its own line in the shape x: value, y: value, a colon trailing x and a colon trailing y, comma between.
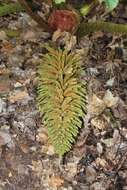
x: 29, y: 35
x: 50, y: 150
x: 96, y: 105
x: 57, y: 34
x: 101, y: 162
x: 24, y: 147
x: 7, y: 47
x: 110, y: 82
x: 71, y: 169
x: 108, y: 142
x: 42, y: 135
x: 4, y: 84
x: 120, y: 111
x: 3, y: 35
x: 109, y: 99
x: 90, y: 174
x: 56, y: 181
x: 37, y: 167
x: 4, y: 71
x: 18, y: 96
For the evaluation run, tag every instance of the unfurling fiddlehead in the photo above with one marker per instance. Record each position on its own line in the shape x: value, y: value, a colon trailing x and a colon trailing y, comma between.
x: 61, y: 97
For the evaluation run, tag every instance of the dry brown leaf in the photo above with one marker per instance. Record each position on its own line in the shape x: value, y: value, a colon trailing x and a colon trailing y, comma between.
x: 101, y: 162
x: 4, y: 84
x: 4, y: 71
x: 37, y: 167
x: 7, y: 47
x: 29, y: 35
x: 18, y: 96
x: 56, y: 181
x: 42, y: 135
x: 56, y: 35
x: 50, y: 150
x: 64, y: 38
x: 90, y: 174
x: 24, y: 147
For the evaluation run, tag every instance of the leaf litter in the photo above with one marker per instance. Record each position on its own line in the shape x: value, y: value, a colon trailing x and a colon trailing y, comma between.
x: 98, y: 158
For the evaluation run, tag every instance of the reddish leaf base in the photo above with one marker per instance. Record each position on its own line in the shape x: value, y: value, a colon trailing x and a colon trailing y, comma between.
x: 64, y: 20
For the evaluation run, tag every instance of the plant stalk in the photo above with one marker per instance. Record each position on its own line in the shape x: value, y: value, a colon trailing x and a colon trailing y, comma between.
x: 88, y: 28
x: 33, y: 15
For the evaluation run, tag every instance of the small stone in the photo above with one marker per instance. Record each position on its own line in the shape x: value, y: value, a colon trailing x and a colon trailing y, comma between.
x: 99, y: 148
x: 30, y: 122
x: 17, y: 85
x: 2, y: 106
x: 15, y: 59
x: 6, y: 139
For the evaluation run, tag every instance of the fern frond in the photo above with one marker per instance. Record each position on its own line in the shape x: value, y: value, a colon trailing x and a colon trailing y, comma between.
x: 61, y: 97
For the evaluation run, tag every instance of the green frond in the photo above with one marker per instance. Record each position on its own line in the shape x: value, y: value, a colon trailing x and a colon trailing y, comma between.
x: 61, y: 97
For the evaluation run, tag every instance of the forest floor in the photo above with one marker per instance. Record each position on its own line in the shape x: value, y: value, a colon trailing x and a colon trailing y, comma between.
x: 98, y: 160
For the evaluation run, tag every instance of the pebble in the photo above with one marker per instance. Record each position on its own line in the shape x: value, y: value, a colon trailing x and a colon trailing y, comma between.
x: 6, y: 139
x: 30, y: 122
x: 17, y: 72
x: 99, y: 148
x: 15, y: 59
x: 2, y: 106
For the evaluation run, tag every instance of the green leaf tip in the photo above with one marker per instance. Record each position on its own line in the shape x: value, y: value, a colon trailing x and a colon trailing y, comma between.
x: 110, y: 4
x: 59, y: 1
